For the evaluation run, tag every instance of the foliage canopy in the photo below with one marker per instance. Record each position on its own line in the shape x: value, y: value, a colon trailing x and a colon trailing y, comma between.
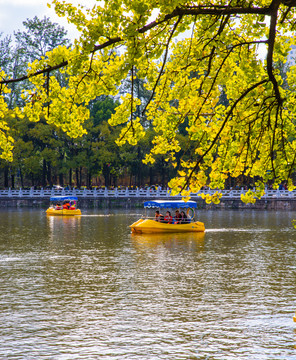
x: 189, y: 53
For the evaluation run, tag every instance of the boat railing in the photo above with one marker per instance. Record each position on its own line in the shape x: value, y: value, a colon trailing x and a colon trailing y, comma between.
x: 189, y: 219
x: 139, y: 192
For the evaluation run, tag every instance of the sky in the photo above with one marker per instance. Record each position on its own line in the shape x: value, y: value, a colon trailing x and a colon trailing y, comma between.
x: 14, y: 12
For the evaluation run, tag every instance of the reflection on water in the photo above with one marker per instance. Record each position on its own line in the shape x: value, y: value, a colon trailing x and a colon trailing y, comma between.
x: 86, y: 288
x: 68, y: 226
x: 169, y: 241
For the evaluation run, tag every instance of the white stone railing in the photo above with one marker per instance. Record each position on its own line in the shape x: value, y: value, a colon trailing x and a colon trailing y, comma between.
x: 124, y: 193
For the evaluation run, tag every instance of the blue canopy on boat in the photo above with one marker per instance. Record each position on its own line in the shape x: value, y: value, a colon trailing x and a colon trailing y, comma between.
x: 62, y: 198
x: 169, y: 204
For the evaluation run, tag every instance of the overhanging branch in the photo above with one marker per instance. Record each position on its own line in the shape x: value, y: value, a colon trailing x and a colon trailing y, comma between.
x: 214, y: 10
x: 230, y: 112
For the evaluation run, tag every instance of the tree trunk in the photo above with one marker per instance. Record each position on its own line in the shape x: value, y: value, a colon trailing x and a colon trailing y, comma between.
x: 70, y: 178
x: 22, y: 178
x: 44, y: 172
x: 77, y: 177
x: 150, y: 176
x: 163, y: 172
x: 106, y: 173
x: 49, y: 179
x: 6, y: 184
x: 61, y: 180
x: 139, y: 170
x: 88, y: 179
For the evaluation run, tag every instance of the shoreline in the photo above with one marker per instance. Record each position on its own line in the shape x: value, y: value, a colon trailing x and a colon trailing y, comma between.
x: 137, y: 203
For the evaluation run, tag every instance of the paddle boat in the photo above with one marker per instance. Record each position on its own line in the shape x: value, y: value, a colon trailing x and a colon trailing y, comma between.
x: 63, y: 206
x: 159, y: 225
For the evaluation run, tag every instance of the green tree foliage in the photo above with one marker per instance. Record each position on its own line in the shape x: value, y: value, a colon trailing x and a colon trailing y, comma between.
x: 39, y: 37
x: 164, y: 44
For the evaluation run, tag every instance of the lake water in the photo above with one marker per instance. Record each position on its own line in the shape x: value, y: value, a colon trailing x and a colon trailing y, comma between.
x: 86, y: 288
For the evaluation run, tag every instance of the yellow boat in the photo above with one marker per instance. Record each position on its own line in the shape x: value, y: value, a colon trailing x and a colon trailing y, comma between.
x: 147, y: 225
x: 56, y: 207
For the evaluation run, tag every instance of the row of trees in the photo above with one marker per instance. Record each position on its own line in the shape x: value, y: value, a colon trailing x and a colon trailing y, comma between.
x: 43, y: 154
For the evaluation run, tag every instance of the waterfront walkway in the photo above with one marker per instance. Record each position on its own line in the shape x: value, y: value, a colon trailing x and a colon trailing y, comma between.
x: 137, y: 193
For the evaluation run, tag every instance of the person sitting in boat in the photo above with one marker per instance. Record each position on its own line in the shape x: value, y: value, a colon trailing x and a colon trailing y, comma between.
x: 72, y: 205
x: 184, y: 218
x: 58, y: 206
x: 168, y: 218
x: 66, y: 204
x: 177, y: 218
x: 158, y: 216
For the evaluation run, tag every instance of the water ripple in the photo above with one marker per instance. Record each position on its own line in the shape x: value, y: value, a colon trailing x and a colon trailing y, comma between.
x: 88, y: 289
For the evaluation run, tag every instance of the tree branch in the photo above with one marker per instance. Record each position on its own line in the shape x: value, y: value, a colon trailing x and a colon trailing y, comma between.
x: 163, y: 63
x: 271, y: 40
x: 221, y: 129
x: 214, y: 10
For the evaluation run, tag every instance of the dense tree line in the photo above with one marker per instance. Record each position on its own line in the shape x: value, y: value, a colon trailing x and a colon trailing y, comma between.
x: 43, y: 155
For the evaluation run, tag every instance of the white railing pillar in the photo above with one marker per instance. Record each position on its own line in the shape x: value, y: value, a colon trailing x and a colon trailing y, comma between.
x: 126, y: 192
x: 106, y: 192
x: 20, y: 194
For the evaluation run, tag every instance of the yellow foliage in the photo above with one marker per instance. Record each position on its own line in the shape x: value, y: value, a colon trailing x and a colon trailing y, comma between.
x: 211, y: 95
x: 215, y: 198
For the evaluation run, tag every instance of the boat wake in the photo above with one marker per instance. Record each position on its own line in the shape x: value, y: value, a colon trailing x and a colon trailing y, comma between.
x: 96, y: 215
x: 237, y: 230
